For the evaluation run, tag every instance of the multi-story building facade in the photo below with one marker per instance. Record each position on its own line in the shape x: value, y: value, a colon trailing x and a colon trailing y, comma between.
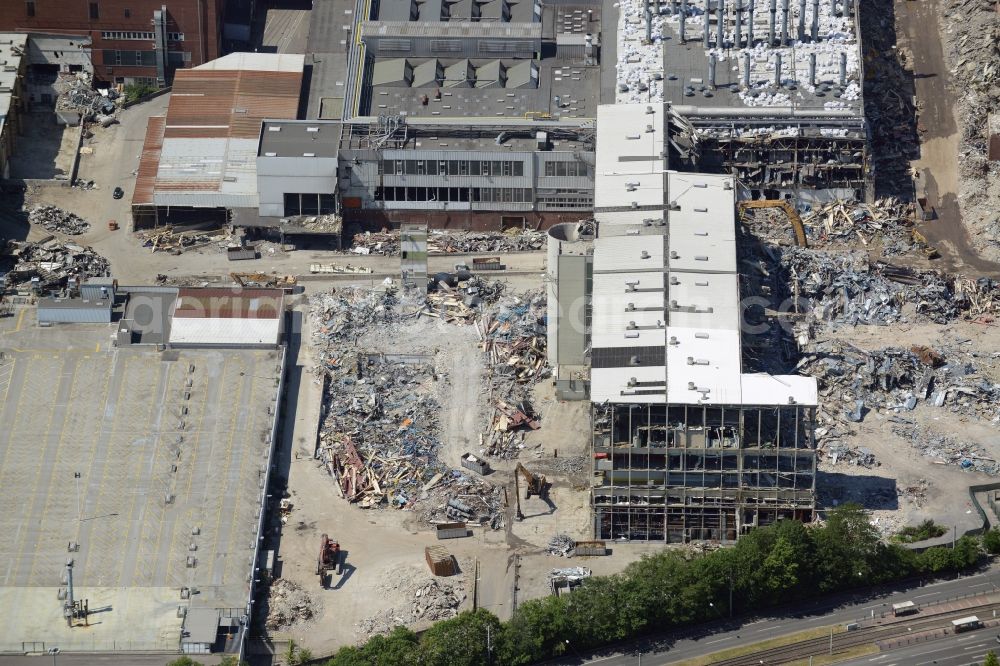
x: 132, y: 41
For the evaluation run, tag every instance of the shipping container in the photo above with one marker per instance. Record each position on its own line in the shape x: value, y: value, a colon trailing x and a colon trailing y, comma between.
x: 451, y: 531
x: 440, y: 561
x: 239, y: 253
x: 475, y: 464
x: 593, y: 548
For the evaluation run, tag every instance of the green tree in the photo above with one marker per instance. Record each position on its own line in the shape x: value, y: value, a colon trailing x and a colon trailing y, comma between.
x: 991, y: 541
x: 536, y: 631
x: 231, y: 660
x: 846, y: 548
x: 304, y: 655
x: 991, y: 659
x: 184, y: 661
x: 780, y: 568
x: 469, y: 639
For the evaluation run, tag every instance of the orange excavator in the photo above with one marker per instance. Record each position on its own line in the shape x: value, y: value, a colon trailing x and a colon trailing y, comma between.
x: 793, y: 215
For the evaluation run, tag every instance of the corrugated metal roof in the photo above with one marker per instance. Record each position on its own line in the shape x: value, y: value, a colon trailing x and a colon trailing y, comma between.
x: 228, y: 304
x: 149, y: 161
x: 204, y: 153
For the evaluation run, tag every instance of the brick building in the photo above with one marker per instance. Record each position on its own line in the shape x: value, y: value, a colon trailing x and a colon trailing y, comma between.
x: 128, y: 36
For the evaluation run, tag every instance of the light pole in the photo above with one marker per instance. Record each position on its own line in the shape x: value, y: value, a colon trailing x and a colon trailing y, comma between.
x: 79, y: 505
x: 53, y: 651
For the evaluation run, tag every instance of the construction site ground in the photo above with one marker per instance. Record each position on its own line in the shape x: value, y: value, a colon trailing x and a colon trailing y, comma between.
x: 45, y: 148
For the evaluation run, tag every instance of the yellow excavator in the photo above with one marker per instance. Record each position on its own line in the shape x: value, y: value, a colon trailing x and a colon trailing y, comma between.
x: 793, y: 215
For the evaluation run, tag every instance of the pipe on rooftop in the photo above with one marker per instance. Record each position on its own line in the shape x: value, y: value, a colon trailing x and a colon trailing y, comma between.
x: 738, y: 7
x: 812, y: 69
x: 770, y: 23
x: 784, y: 23
x: 750, y: 24
x: 690, y: 110
x: 706, y: 17
x: 802, y: 21
x: 815, y: 21
x: 746, y: 69
x: 843, y: 68
x: 833, y: 7
x: 721, y: 20
x: 777, y: 69
x: 711, y: 71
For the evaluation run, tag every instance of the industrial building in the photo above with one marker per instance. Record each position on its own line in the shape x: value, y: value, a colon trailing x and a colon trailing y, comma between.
x: 200, y: 159
x: 137, y: 501
x: 139, y: 41
x: 13, y: 66
x: 646, y: 320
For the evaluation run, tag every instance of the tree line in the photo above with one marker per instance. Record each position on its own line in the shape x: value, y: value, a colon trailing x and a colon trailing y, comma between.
x: 778, y: 564
x: 772, y: 565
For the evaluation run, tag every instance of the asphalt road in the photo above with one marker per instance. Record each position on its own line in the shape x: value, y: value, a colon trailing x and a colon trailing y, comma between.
x: 960, y: 650
x: 725, y: 635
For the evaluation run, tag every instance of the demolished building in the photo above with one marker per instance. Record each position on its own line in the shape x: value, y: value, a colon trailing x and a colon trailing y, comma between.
x: 686, y: 445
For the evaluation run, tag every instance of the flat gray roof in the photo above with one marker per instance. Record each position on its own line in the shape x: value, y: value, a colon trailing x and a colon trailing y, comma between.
x: 158, y: 473
x: 73, y: 304
x: 294, y: 138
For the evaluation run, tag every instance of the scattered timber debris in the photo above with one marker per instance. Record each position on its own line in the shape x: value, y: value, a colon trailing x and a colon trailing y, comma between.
x: 448, y: 242
x: 174, y: 240
x: 288, y: 604
x: 53, y: 218
x: 53, y: 262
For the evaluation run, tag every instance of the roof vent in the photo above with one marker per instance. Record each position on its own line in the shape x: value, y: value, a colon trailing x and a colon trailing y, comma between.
x: 312, y: 129
x: 674, y: 205
x: 630, y: 307
x: 308, y: 154
x: 644, y: 255
x: 632, y: 137
x: 650, y: 110
x: 273, y: 128
x: 674, y: 280
x: 633, y: 360
x: 631, y: 326
x: 701, y: 185
x: 270, y: 154
x: 701, y: 257
x: 701, y: 336
x: 673, y: 340
x: 701, y: 210
x: 674, y: 255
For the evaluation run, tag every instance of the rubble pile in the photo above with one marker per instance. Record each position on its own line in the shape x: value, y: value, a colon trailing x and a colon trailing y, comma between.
x: 513, y: 339
x: 76, y: 93
x: 344, y: 315
x: 562, y: 545
x: 431, y: 599
x: 948, y: 450
x: 846, y: 288
x: 837, y: 452
x: 53, y: 262
x: 171, y: 239
x: 456, y: 298
x: 897, y: 380
x: 53, y: 218
x: 450, y: 242
x: 886, y: 222
x: 288, y: 604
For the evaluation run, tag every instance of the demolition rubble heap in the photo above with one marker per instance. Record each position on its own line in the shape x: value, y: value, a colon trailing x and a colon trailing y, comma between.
x: 380, y: 436
x: 53, y: 262
x: 449, y: 242
x: 288, y: 604
x: 55, y: 219
x: 847, y: 289
x: 432, y: 599
x: 75, y: 93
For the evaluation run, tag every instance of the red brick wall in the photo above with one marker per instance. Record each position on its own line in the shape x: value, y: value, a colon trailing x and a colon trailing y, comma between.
x: 199, y: 20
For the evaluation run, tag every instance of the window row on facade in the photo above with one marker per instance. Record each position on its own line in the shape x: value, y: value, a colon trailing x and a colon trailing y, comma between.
x: 309, y: 204
x: 143, y: 58
x: 452, y: 168
x: 458, y: 194
x: 126, y: 35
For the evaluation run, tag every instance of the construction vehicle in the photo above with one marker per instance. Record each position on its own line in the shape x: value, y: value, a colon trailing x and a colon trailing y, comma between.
x: 793, y: 215
x: 535, y: 484
x: 330, y: 559
x: 112, y: 225
x: 926, y: 248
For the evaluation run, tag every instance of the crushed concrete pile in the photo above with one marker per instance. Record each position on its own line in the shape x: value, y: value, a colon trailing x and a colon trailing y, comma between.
x: 450, y: 242
x: 53, y: 218
x: 76, y: 93
x: 892, y: 380
x: 948, y: 450
x: 427, y: 600
x: 288, y: 604
x: 847, y: 289
x: 53, y: 262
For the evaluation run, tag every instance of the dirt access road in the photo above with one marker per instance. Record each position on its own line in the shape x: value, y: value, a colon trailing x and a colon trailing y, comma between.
x: 919, y: 31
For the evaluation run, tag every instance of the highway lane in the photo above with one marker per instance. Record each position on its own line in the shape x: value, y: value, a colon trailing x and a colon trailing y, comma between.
x: 957, y: 650
x: 724, y: 635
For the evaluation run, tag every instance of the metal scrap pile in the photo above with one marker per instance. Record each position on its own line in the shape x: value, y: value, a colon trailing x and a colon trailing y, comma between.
x: 948, y: 450
x: 448, y: 242
x: 77, y: 94
x: 897, y: 380
x: 53, y: 262
x: 513, y: 339
x: 457, y: 298
x: 845, y: 288
x: 562, y: 545
x: 53, y: 218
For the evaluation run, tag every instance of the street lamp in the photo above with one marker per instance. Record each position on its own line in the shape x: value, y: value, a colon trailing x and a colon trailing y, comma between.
x: 53, y: 651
